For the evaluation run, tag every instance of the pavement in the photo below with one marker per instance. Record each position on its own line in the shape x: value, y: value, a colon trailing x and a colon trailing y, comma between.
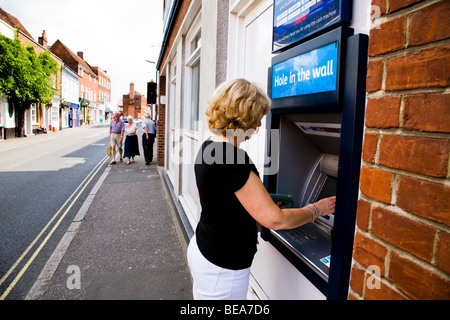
x: 124, y: 244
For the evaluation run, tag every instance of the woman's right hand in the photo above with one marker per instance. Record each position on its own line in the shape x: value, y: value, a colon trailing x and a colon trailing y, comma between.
x: 326, y: 206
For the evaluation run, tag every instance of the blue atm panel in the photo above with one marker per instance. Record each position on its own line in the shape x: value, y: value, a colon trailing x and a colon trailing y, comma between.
x: 311, y: 72
x: 318, y: 101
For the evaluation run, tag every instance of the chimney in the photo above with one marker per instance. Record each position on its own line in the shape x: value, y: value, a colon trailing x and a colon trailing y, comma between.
x: 131, y: 91
x: 43, y: 40
x: 80, y: 54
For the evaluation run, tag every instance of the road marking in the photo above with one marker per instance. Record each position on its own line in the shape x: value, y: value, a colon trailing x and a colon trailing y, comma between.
x: 43, y: 280
x: 80, y: 190
x: 26, y: 143
x: 74, y: 161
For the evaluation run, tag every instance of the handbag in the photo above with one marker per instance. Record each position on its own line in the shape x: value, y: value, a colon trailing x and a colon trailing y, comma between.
x: 110, y: 150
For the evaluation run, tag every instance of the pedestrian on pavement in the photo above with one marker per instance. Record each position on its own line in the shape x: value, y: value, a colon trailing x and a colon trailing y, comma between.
x: 148, y: 138
x: 131, y: 141
x: 116, y: 130
x: 233, y: 198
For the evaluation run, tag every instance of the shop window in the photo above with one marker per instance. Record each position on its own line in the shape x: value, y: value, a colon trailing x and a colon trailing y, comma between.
x: 194, y: 65
x: 33, y: 114
x: 196, y: 42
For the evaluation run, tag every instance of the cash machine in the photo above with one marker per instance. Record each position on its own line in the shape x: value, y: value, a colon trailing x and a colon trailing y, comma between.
x: 318, y: 100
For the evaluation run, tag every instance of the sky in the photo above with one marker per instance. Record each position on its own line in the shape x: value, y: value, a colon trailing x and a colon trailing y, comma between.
x: 116, y: 35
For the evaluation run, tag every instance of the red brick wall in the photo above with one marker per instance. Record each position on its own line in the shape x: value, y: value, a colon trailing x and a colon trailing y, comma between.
x: 104, y: 88
x: 404, y: 212
x: 87, y: 84
x: 137, y: 108
x: 162, y: 82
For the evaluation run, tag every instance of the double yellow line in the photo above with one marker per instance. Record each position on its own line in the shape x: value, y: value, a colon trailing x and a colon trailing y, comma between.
x: 72, y: 199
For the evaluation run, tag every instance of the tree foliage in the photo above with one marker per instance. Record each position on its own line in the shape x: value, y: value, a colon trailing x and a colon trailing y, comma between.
x: 25, y: 77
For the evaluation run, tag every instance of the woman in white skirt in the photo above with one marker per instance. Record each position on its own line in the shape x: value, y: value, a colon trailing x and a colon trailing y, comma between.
x: 233, y: 198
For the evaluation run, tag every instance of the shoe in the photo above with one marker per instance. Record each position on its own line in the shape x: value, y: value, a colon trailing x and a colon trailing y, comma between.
x: 147, y: 163
x: 112, y: 162
x: 121, y: 159
x: 128, y: 163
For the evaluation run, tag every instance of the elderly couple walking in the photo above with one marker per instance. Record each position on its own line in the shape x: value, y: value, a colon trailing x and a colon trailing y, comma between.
x: 118, y: 130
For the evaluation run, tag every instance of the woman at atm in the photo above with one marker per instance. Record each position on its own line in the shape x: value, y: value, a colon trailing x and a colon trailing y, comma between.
x: 233, y: 198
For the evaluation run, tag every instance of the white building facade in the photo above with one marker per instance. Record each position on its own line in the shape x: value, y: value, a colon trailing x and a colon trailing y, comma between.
x: 7, y: 113
x: 69, y: 99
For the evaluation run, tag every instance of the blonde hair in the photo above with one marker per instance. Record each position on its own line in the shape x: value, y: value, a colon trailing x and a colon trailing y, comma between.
x: 237, y: 104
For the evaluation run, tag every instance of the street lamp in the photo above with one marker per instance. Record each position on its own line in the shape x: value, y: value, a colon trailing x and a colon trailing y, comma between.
x: 151, y: 62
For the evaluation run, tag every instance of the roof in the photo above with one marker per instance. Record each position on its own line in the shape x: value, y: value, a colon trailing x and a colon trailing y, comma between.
x: 136, y: 93
x: 98, y: 70
x: 69, y: 58
x: 13, y: 22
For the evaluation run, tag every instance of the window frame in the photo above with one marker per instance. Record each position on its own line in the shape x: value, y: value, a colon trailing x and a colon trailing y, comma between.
x: 193, y: 67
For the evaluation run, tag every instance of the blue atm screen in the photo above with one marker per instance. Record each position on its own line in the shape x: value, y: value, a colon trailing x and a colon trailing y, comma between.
x: 312, y: 72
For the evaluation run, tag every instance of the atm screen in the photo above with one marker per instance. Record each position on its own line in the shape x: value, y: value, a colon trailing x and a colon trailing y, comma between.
x: 311, y: 72
x: 328, y: 188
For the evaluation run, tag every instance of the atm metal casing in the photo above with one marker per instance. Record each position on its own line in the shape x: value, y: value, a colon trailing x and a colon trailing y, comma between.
x: 298, y: 154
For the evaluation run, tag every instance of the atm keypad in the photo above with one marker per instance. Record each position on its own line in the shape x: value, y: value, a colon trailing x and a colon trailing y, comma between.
x: 302, y: 234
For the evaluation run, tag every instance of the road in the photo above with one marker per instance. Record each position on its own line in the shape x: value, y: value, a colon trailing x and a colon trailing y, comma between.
x: 44, y: 180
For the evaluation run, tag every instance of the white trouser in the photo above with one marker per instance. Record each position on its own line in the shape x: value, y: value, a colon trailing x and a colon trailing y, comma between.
x: 211, y: 282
